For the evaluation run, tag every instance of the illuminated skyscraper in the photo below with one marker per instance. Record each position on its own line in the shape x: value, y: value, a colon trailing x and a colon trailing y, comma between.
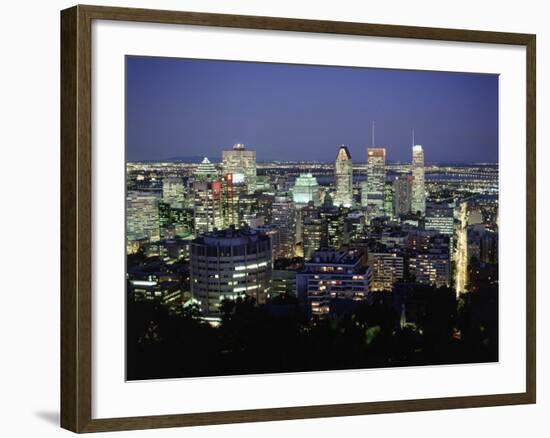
x: 207, y: 192
x: 344, y: 178
x: 333, y: 227
x: 306, y: 189
x: 284, y: 217
x: 173, y: 191
x: 354, y: 224
x: 233, y: 195
x: 208, y: 206
x: 265, y: 206
x: 205, y: 171
x: 388, y: 199
x: 312, y: 235
x: 242, y: 164
x: 165, y: 220
x: 376, y: 174
x: 440, y: 217
x: 402, y: 192
x: 142, y: 218
x: 418, y: 201
x: 183, y: 222
x: 364, y: 194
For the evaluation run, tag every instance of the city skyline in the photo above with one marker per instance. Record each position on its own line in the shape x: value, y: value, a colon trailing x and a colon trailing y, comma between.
x: 180, y: 108
x: 310, y: 261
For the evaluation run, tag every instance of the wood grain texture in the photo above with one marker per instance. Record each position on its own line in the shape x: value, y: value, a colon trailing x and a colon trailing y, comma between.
x: 69, y: 329
x: 76, y: 222
x: 531, y: 218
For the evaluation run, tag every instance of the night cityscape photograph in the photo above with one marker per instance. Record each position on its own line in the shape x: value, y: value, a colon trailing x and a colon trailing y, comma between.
x: 297, y: 218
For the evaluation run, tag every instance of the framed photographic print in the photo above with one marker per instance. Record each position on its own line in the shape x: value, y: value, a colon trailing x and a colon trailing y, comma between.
x: 270, y: 218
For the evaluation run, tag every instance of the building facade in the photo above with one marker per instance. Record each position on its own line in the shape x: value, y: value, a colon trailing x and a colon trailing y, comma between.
x: 207, y: 198
x: 229, y: 264
x: 273, y: 232
x: 284, y: 217
x: 376, y: 180
x: 205, y: 171
x: 387, y: 269
x: 207, y: 210
x: 142, y: 218
x: 344, y: 178
x: 402, y: 195
x: 241, y: 163
x: 305, y: 190
x: 418, y: 199
x: 331, y: 275
x: 440, y: 218
x: 173, y: 192
x: 312, y: 235
x: 433, y: 269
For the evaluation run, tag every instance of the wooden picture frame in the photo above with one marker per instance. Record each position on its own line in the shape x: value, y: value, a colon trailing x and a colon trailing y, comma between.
x: 76, y: 217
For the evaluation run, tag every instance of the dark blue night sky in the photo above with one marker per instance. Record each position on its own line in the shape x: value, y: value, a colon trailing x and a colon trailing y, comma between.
x: 180, y: 108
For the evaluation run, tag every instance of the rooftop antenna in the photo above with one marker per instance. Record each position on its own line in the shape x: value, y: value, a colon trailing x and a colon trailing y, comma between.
x: 373, y: 127
x: 413, y: 136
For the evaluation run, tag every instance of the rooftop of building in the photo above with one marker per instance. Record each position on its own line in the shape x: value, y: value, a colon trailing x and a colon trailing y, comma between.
x: 335, y: 257
x: 206, y: 168
x: 173, y: 241
x: 291, y: 264
x: 231, y: 237
x: 306, y: 179
x: 376, y: 152
x: 343, y: 154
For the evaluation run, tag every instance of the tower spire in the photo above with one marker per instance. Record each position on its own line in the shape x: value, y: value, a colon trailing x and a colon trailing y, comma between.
x: 413, y: 137
x: 372, y: 131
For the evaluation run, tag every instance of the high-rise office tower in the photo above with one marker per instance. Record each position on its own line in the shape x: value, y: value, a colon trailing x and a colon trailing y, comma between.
x: 344, y: 178
x: 310, y: 211
x: 284, y: 217
x: 142, y: 218
x: 402, y: 193
x: 234, y: 194
x: 376, y: 180
x: 206, y: 171
x: 312, y: 235
x: 306, y: 189
x: 354, y: 224
x: 208, y: 206
x: 242, y: 164
x: 418, y: 201
x: 440, y: 217
x: 173, y: 192
x: 265, y: 206
x: 207, y: 193
x: 364, y: 194
x: 388, y: 199
x: 333, y: 227
x: 183, y: 222
x: 165, y: 220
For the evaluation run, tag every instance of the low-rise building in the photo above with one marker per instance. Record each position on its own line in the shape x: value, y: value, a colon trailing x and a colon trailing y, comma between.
x: 333, y: 274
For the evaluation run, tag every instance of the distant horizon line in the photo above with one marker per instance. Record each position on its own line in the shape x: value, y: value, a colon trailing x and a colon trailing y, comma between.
x: 216, y: 161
